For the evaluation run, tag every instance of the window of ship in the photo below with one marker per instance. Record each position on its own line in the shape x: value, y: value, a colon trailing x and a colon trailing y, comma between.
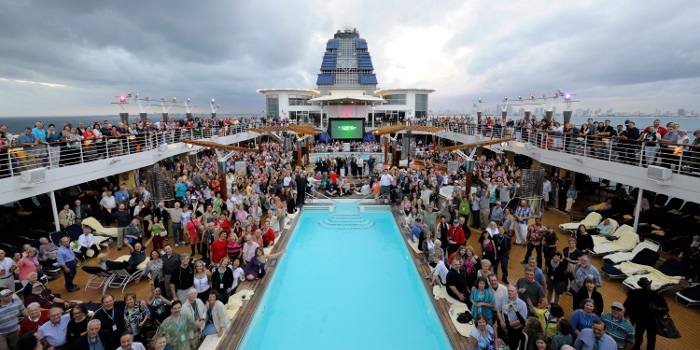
x: 273, y: 105
x: 398, y: 99
x: 421, y: 105
x: 301, y: 117
x: 299, y: 100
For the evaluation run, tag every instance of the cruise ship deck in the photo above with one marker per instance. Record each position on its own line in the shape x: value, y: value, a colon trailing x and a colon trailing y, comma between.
x: 681, y: 185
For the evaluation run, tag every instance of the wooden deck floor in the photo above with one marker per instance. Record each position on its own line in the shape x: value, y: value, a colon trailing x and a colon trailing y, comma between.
x: 685, y: 318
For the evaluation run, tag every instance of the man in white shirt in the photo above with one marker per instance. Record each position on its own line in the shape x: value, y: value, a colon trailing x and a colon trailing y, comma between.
x: 605, y: 228
x: 385, y: 184
x: 108, y: 203
x: 7, y: 265
x: 87, y: 241
x: 546, y: 189
x: 231, y: 203
x: 440, y: 273
x: 127, y: 343
x: 498, y: 290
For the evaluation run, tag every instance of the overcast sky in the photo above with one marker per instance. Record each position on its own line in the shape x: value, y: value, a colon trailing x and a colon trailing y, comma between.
x: 73, y: 57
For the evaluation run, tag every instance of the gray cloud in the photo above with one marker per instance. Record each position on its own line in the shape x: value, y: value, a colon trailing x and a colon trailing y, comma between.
x: 606, y: 54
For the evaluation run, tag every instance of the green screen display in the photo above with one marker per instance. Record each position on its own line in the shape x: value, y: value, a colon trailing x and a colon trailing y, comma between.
x: 346, y: 128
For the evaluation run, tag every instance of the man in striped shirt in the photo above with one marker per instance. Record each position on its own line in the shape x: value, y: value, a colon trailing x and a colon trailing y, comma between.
x: 618, y: 327
x: 10, y: 309
x: 522, y: 214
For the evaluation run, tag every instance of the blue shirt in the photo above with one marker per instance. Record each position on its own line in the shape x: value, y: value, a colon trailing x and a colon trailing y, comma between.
x: 39, y: 134
x: 121, y: 196
x: 519, y: 304
x: 65, y: 255
x: 587, y: 341
x: 24, y: 138
x: 416, y: 230
x: 97, y: 345
x: 53, y: 137
x: 9, y: 315
x: 580, y: 321
x: 539, y: 275
x: 55, y: 334
x: 497, y: 214
x: 523, y: 212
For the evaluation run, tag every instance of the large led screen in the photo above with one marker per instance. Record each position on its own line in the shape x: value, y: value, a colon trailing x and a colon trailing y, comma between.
x: 346, y: 128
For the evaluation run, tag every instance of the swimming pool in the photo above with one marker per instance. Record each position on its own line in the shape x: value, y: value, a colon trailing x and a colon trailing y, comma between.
x: 342, y: 287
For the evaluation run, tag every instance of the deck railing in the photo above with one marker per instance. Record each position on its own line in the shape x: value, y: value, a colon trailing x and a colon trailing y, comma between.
x: 74, y: 151
x: 681, y: 159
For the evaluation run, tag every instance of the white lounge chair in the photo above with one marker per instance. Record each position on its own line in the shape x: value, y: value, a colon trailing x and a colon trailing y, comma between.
x: 627, y: 256
x: 668, y: 275
x: 689, y: 296
x: 95, y: 225
x: 598, y: 239
x: 590, y: 221
x: 121, y: 277
x: 627, y: 241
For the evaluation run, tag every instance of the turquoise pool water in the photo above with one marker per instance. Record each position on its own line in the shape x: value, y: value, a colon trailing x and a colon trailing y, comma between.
x: 344, y: 285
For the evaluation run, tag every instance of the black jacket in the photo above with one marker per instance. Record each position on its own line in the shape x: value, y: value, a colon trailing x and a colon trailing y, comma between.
x: 105, y: 338
x: 108, y: 319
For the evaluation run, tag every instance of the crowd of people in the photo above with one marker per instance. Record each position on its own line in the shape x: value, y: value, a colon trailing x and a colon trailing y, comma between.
x: 53, y: 146
x: 227, y: 232
x: 655, y: 144
x: 226, y: 236
x: 531, y: 304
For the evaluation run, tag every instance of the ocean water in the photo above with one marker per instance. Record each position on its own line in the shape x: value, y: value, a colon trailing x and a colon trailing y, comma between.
x: 345, y: 288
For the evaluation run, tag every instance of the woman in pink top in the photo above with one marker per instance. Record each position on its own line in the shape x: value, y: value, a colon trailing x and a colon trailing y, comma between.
x: 28, y: 264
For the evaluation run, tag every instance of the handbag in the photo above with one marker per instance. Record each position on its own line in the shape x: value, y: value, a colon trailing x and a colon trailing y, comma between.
x: 666, y: 327
x: 465, y: 317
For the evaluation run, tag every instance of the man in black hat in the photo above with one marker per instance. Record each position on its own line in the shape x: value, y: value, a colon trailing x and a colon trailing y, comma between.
x: 642, y: 306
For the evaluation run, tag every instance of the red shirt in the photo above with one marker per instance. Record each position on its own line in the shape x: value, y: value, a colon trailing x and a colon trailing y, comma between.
x: 269, y: 237
x: 456, y: 234
x: 192, y: 232
x: 28, y: 326
x: 218, y: 250
x: 661, y: 130
x: 333, y: 177
x: 224, y: 224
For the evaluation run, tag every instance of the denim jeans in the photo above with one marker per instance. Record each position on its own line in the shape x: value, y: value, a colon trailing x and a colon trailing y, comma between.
x: 177, y: 232
x: 71, y: 274
x: 503, y: 260
x: 209, y: 329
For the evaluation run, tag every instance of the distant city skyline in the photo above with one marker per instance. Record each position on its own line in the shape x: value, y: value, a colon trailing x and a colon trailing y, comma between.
x: 72, y: 57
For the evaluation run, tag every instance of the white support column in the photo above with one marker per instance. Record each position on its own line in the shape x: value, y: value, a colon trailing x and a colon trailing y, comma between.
x: 54, y: 209
x: 637, y: 209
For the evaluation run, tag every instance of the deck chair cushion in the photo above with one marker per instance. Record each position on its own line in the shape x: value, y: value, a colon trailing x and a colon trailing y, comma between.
x: 93, y: 270
x: 612, y: 270
x: 618, y: 233
x: 99, y: 229
x: 627, y: 256
x: 658, y: 280
x: 590, y: 221
x: 692, y: 293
